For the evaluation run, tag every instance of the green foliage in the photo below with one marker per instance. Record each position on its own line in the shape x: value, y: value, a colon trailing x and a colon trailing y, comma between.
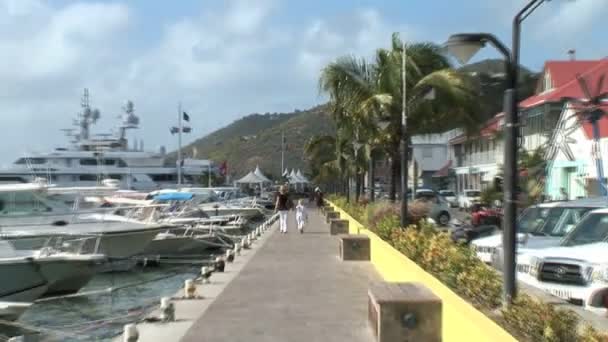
x: 490, y: 194
x: 457, y: 267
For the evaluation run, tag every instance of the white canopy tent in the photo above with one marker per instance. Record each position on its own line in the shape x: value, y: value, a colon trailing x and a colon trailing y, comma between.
x: 258, y: 173
x: 250, y: 178
x: 302, y: 178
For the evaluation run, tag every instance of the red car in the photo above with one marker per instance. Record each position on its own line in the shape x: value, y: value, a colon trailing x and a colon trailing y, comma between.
x: 482, y: 215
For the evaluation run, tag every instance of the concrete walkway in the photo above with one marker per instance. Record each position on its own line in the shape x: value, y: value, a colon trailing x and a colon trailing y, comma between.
x: 294, y: 289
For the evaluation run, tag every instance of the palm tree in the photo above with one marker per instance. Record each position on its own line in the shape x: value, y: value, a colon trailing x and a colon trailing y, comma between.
x: 362, y: 93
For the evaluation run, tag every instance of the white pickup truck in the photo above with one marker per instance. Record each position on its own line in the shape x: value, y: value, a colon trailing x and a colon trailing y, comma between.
x: 577, y: 270
x: 540, y: 226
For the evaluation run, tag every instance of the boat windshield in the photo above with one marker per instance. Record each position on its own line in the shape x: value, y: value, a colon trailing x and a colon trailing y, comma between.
x: 555, y: 221
x: 592, y: 228
x: 27, y: 202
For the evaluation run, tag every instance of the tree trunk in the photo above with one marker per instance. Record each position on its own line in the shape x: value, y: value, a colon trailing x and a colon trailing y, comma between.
x: 392, y: 194
x: 357, y: 186
x: 347, y: 189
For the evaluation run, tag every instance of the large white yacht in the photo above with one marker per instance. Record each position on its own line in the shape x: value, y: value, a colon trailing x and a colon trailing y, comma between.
x: 92, y: 158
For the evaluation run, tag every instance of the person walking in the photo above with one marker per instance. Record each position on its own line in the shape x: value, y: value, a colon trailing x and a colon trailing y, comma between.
x: 301, y: 216
x: 282, y: 206
x: 319, y: 197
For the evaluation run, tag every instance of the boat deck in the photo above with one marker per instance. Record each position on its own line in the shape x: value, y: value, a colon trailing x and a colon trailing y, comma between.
x: 295, y: 288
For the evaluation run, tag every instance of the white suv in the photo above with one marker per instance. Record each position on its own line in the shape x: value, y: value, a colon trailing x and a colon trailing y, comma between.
x: 576, y: 271
x: 467, y: 198
x: 540, y: 226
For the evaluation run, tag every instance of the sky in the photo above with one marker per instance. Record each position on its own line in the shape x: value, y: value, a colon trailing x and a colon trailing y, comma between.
x: 224, y: 59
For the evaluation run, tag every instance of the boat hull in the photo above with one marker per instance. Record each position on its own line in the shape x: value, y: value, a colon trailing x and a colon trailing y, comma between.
x: 22, y: 280
x: 66, y: 276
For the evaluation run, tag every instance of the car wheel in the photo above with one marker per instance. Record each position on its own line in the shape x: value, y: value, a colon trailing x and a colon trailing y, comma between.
x: 443, y: 219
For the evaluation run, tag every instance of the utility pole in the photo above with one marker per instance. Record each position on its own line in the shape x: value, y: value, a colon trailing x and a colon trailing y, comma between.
x: 282, y: 152
x: 209, y: 170
x: 179, y: 144
x: 404, y: 150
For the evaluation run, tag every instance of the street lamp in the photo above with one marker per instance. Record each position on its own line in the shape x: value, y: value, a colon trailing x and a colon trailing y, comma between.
x: 463, y: 47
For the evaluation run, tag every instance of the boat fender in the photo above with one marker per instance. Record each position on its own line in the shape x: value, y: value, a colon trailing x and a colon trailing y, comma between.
x: 60, y: 223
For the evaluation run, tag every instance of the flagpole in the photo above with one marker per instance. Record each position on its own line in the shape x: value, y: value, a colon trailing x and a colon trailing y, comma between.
x: 209, y: 173
x: 179, y: 144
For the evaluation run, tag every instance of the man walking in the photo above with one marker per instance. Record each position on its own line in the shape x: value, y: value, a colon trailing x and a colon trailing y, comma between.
x: 283, y: 205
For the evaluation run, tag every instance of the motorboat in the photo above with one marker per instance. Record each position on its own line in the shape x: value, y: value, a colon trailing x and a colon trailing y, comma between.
x: 65, y: 272
x: 11, y: 311
x: 29, y: 218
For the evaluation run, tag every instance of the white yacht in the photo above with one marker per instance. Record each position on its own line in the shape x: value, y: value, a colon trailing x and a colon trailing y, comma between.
x: 29, y: 219
x: 91, y: 158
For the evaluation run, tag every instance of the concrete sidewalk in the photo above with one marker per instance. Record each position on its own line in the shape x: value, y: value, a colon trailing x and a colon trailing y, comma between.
x: 294, y: 289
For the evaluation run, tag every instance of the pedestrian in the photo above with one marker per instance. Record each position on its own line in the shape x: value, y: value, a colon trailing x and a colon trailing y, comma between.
x: 563, y: 194
x: 319, y: 197
x: 301, y: 216
x: 283, y: 205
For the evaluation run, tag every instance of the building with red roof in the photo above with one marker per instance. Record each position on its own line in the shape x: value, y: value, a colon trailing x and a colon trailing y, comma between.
x: 477, y: 159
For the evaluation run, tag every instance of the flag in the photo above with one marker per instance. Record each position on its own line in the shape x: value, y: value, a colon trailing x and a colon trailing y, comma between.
x: 174, y: 130
x: 194, y: 151
x: 186, y: 117
x: 186, y: 129
x: 224, y: 168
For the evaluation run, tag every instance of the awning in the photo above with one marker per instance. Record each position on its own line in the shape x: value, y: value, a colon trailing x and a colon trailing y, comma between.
x: 174, y: 196
x: 444, y: 171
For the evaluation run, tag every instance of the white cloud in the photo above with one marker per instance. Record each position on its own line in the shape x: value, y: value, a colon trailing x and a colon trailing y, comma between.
x: 360, y: 32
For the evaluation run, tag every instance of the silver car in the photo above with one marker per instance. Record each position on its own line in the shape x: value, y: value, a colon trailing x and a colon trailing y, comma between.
x: 439, y: 209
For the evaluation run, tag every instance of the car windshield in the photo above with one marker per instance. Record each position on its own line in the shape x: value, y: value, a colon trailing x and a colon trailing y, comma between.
x: 446, y: 193
x: 592, y: 228
x: 555, y: 221
x: 472, y: 193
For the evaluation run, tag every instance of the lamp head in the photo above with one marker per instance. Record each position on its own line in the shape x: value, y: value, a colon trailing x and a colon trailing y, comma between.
x: 464, y: 46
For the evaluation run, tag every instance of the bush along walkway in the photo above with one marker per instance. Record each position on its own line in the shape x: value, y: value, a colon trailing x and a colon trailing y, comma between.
x: 457, y: 267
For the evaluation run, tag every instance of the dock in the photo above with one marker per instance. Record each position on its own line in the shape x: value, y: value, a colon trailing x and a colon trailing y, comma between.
x: 288, y: 287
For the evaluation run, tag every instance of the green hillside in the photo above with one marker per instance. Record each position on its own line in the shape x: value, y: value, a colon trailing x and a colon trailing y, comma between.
x: 256, y: 140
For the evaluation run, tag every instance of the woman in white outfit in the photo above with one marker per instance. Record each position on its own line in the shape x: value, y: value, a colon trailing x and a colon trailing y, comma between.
x: 282, y: 206
x: 301, y: 216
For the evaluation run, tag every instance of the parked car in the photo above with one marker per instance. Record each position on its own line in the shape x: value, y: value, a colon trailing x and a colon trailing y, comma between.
x: 449, y: 196
x: 577, y: 270
x: 539, y: 226
x: 468, y: 197
x: 439, y: 209
x: 424, y: 193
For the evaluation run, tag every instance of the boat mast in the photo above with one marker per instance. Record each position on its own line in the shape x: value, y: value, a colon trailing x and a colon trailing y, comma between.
x: 179, y: 144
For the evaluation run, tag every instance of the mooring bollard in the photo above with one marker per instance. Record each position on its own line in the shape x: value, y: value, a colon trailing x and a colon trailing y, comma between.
x: 258, y: 232
x: 189, y: 289
x: 237, y: 249
x: 245, y: 243
x: 229, y: 255
x: 220, y: 264
x: 205, y: 274
x: 167, y: 310
x: 130, y: 333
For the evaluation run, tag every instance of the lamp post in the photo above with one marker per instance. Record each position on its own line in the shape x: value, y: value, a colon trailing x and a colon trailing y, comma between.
x: 403, y: 143
x: 463, y: 47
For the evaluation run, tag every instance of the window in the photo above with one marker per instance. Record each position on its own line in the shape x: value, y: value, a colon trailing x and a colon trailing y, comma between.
x: 88, y: 162
x: 109, y: 162
x: 87, y: 177
x: 548, y: 85
x: 592, y: 228
x: 427, y: 152
x: 33, y: 161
